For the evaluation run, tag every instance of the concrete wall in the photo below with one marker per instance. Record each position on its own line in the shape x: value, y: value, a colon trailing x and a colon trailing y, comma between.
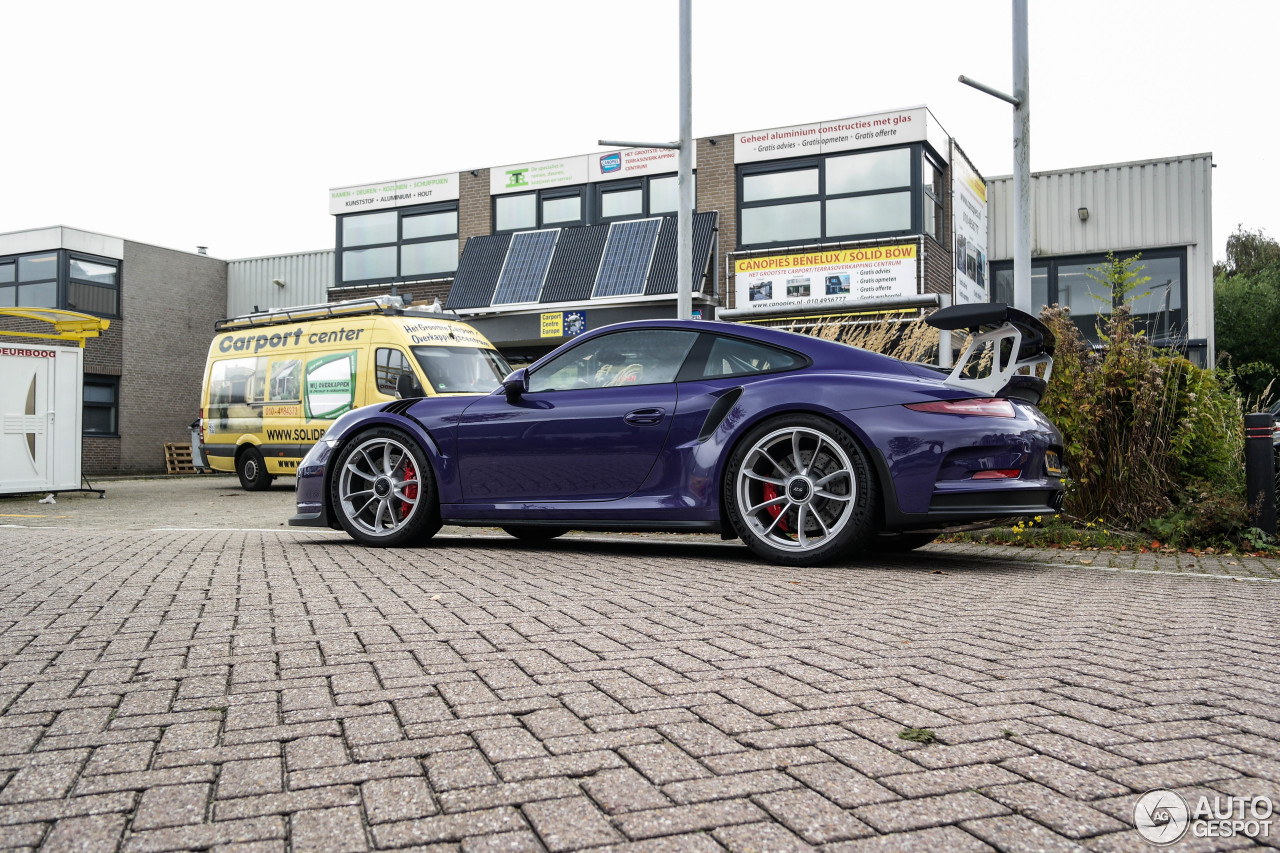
x: 169, y: 303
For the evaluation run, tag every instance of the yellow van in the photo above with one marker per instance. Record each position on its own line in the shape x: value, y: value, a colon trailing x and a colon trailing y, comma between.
x: 275, y: 380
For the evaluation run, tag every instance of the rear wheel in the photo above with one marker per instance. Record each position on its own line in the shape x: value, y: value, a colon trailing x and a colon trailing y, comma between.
x: 383, y: 491
x: 900, y: 543
x: 532, y: 533
x: 252, y: 470
x: 799, y: 491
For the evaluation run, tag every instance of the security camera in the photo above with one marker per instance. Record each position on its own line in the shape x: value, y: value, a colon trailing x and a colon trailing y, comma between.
x: 278, y: 282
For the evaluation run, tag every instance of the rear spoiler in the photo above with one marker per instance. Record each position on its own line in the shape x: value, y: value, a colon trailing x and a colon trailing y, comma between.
x: 1021, y: 350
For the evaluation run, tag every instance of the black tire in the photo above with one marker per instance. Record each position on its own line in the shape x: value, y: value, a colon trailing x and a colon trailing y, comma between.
x: 830, y: 515
x: 900, y: 543
x: 534, y: 534
x: 387, y: 496
x: 252, y: 470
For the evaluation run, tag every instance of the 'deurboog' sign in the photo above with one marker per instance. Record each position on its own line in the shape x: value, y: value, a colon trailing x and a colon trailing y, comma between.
x: 825, y: 280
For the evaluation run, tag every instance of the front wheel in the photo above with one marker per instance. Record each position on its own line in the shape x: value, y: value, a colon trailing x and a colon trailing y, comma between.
x: 383, y: 491
x: 799, y: 491
x: 533, y: 534
x: 252, y: 470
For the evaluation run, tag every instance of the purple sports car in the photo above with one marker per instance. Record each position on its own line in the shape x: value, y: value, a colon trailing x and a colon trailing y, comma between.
x: 806, y: 449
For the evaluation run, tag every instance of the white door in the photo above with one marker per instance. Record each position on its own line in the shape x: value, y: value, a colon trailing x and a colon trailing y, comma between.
x: 26, y: 420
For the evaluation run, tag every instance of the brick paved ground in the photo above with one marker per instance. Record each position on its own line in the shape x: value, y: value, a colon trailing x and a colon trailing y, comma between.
x: 249, y: 691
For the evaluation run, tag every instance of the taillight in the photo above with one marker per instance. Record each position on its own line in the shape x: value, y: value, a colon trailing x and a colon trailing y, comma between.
x: 990, y: 407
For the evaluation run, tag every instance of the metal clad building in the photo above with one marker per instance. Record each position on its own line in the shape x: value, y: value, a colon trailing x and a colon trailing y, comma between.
x: 1161, y: 208
x: 278, y: 281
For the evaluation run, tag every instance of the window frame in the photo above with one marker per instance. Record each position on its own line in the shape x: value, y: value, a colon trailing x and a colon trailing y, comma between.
x: 913, y: 188
x: 62, y: 279
x: 1051, y: 263
x: 101, y: 381
x: 401, y: 214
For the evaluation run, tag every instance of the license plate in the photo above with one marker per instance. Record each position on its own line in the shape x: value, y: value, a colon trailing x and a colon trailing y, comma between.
x: 1053, y: 464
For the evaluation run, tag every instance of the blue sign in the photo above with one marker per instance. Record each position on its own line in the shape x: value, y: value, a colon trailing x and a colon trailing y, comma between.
x: 611, y: 162
x: 575, y: 323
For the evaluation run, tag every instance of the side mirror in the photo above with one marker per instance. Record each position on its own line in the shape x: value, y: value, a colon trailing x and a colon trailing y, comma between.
x: 407, y: 387
x: 516, y: 384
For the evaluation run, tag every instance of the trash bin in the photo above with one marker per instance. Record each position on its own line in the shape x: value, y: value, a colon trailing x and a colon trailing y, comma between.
x: 197, y: 458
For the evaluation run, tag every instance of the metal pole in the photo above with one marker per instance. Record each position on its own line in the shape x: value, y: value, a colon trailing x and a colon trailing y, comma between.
x: 1260, y: 471
x: 684, y: 214
x: 1021, y: 163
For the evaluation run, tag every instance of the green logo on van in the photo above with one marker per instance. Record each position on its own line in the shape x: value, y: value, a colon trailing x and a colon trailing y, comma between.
x: 331, y: 385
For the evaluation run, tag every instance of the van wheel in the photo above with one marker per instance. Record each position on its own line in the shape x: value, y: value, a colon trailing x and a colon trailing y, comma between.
x: 533, y: 534
x: 383, y: 491
x: 253, y: 471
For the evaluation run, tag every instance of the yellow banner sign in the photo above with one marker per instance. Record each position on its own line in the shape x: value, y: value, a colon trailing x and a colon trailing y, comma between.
x: 833, y: 257
x: 553, y: 325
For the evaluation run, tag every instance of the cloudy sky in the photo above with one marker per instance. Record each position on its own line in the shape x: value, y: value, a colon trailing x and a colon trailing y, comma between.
x: 224, y: 124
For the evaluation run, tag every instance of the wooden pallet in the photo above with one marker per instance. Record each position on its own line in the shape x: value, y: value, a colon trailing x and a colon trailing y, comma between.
x: 177, y: 459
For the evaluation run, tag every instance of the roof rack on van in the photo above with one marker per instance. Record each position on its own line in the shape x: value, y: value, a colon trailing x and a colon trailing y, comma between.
x: 349, y: 308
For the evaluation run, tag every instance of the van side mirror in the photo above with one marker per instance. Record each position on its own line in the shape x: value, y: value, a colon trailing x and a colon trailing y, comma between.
x: 408, y: 387
x: 516, y: 384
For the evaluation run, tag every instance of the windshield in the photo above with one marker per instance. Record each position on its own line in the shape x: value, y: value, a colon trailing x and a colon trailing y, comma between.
x: 462, y: 370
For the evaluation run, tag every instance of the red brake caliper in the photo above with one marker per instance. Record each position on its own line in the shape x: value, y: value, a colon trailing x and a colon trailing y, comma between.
x: 410, y: 492
x: 774, y: 510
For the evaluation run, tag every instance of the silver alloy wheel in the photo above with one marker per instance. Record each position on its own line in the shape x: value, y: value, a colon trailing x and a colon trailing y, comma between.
x: 796, y: 489
x: 378, y: 486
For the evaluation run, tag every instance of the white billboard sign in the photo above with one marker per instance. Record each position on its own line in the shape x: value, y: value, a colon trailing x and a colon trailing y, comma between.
x: 522, y: 177
x: 969, y: 209
x: 825, y: 280
x: 398, y: 193
x: 849, y: 134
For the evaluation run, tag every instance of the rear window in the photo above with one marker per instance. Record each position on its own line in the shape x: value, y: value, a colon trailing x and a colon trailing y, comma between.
x: 736, y: 357
x: 462, y: 370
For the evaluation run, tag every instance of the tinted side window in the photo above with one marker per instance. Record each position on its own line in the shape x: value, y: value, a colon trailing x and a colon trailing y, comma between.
x: 735, y: 357
x: 388, y: 365
x: 635, y: 357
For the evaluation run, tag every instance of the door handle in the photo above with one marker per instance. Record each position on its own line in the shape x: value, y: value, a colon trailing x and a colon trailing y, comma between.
x: 645, y: 417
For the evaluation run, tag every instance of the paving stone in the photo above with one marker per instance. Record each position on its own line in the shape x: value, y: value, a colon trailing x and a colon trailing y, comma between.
x: 842, y: 785
x: 507, y: 794
x: 1014, y: 833
x: 460, y: 769
x: 327, y: 831
x: 1061, y: 814
x: 315, y: 751
x: 40, y: 782
x: 509, y: 744
x: 205, y: 835
x: 83, y: 834
x: 760, y: 838
x: 661, y: 763
x: 502, y: 842
x: 173, y: 805
x: 623, y: 790
x: 949, y: 780
x: 925, y: 812
x: 576, y: 764
x: 677, y: 820
x: 246, y: 778
x: 570, y: 823
x: 451, y: 827
x: 400, y: 798
x: 728, y: 787
x: 947, y: 838
x: 811, y: 816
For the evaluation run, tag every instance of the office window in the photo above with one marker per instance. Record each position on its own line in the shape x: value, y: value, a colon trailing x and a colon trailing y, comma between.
x: 839, y: 197
x: 1157, y: 304
x: 615, y: 203
x: 562, y: 210
x: 398, y: 245
x: 101, y: 405
x: 638, y: 198
x: 61, y: 279
x: 515, y: 212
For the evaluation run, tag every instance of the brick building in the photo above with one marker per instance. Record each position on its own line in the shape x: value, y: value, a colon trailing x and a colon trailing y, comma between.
x: 796, y: 226
x: 142, y: 376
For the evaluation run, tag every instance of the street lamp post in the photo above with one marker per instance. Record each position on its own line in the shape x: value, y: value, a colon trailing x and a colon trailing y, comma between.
x: 684, y: 179
x: 1021, y: 101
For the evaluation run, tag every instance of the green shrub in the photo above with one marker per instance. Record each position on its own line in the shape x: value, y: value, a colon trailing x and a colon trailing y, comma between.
x: 1152, y: 442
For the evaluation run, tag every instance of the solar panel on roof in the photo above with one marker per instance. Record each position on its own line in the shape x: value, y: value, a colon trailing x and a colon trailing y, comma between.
x: 525, y: 268
x: 627, y: 256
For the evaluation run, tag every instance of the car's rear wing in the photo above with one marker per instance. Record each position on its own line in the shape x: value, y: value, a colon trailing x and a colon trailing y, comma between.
x: 1009, y: 354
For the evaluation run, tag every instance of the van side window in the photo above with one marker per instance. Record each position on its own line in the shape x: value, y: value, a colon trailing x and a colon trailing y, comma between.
x: 286, y: 382
x: 388, y: 365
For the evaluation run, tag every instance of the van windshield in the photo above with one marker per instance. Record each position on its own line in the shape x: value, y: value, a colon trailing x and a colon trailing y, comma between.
x: 462, y: 370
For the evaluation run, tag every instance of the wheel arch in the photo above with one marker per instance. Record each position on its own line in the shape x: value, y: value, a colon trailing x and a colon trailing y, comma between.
x: 414, y: 428
x: 837, y: 419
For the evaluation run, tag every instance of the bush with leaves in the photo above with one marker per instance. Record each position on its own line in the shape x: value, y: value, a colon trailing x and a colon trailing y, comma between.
x: 1152, y: 441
